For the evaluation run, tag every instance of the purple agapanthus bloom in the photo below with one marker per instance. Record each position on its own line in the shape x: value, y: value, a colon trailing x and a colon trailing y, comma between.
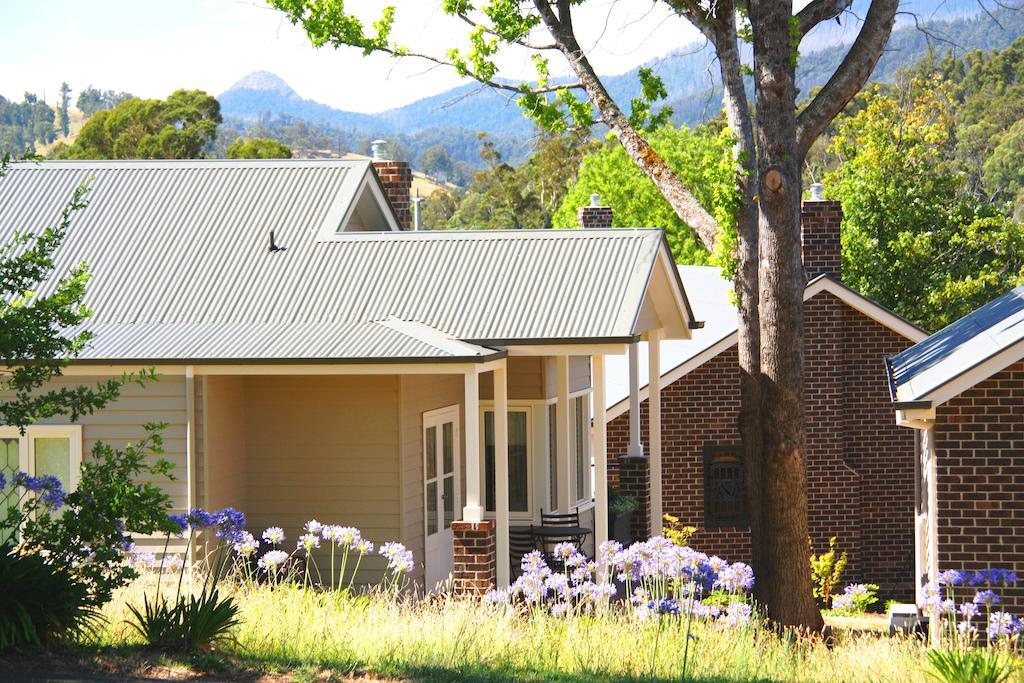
x: 230, y: 525
x: 986, y: 597
x: 3, y: 481
x: 181, y: 521
x: 274, y: 535
x: 664, y: 606
x: 952, y: 577
x: 48, y: 486
x: 400, y: 560
x: 200, y: 519
x: 1002, y: 624
x: 994, y: 576
x: 736, y: 614
x: 735, y: 578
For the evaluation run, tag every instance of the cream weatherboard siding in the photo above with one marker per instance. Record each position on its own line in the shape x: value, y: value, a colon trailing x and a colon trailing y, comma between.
x: 122, y: 422
x: 525, y: 379
x: 325, y: 448
x: 420, y: 394
x: 221, y: 442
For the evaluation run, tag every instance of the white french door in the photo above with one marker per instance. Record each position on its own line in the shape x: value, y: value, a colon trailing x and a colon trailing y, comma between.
x: 441, y: 494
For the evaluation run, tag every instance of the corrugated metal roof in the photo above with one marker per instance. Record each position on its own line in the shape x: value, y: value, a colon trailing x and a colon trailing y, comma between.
x: 954, y: 350
x: 711, y: 296
x: 178, y: 253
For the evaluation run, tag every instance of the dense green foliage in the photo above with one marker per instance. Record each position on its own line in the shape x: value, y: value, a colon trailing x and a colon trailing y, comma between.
x: 193, y: 622
x: 25, y: 123
x: 258, y: 148
x: 181, y: 127
x: 40, y: 600
x: 92, y: 100
x: 703, y: 161
x: 928, y: 230
x: 507, y: 196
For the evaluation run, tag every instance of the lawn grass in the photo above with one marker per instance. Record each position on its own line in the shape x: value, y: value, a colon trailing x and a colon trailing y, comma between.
x: 312, y: 635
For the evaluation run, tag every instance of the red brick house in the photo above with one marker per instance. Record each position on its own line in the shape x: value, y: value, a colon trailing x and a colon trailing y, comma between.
x: 962, y: 391
x: 860, y: 463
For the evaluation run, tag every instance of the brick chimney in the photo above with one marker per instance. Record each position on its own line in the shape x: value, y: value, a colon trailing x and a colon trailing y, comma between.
x: 594, y: 215
x: 819, y: 235
x: 396, y: 177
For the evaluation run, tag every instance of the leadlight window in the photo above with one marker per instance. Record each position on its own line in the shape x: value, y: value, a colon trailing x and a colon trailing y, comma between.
x: 724, y: 492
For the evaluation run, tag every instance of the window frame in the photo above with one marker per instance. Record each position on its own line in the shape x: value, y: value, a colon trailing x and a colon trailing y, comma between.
x: 581, y: 428
x: 26, y: 447
x: 527, y: 408
x: 710, y: 451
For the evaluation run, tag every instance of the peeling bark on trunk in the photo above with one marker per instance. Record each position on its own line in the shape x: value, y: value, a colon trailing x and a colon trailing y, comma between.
x: 785, y: 576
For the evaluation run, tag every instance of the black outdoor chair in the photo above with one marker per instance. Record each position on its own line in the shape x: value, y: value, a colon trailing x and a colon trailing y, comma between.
x: 568, y: 520
x: 520, y: 542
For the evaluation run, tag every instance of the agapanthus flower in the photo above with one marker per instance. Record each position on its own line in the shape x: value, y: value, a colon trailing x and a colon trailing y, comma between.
x: 986, y: 597
x: 497, y: 596
x: 932, y: 597
x: 968, y: 610
x: 3, y: 481
x: 274, y: 535
x: 1002, y: 624
x: 952, y: 577
x: 230, y: 525
x: 994, y: 576
x: 272, y: 560
x: 400, y: 560
x: 180, y: 521
x: 364, y: 547
x: 200, y: 519
x: 48, y: 486
x: 607, y: 551
x: 246, y: 545
x: 308, y: 542
x: 735, y: 578
x: 173, y: 562
x: 313, y: 527
x: 736, y: 614
x: 664, y: 606
x: 142, y: 559
x: 966, y: 628
x: 345, y: 536
x: 564, y: 550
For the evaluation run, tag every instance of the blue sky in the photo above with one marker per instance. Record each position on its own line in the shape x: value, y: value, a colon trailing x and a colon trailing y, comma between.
x: 151, y: 47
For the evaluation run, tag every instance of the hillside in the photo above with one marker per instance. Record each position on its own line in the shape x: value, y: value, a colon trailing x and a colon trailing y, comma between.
x: 688, y: 75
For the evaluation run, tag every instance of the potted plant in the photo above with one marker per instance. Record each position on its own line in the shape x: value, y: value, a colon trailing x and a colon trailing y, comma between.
x: 620, y: 516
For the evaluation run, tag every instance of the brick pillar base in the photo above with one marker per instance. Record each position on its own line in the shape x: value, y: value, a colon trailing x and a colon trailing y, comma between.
x: 633, y: 482
x: 474, y: 571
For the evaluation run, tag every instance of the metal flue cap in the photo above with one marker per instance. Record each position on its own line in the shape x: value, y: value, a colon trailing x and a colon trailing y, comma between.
x: 380, y: 150
x: 817, y: 192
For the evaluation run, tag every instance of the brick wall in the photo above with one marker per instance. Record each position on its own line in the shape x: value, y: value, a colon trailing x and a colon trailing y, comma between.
x: 860, y: 464
x: 396, y: 177
x: 474, y: 571
x: 979, y: 436
x: 594, y: 217
x: 819, y: 236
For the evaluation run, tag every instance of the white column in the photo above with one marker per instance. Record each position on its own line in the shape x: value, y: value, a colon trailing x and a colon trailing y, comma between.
x: 599, y: 447
x: 654, y: 427
x: 635, y: 448
x: 501, y: 474
x: 566, y: 496
x: 473, y: 511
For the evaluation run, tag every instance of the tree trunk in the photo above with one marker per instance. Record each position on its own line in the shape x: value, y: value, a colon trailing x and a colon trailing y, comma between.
x: 781, y: 515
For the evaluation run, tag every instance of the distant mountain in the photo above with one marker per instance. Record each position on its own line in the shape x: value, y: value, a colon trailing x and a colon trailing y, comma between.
x: 690, y: 75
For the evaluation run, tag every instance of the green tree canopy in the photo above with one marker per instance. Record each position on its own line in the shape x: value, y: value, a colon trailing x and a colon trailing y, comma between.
x: 913, y: 238
x: 258, y: 148
x: 92, y: 100
x: 180, y: 127
x: 703, y: 161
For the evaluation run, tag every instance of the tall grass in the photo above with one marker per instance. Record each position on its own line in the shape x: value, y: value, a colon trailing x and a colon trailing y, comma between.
x: 289, y: 627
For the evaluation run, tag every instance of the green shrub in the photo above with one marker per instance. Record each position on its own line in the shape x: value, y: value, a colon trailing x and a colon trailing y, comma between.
x: 40, y: 601
x: 981, y: 665
x: 827, y: 571
x: 190, y: 623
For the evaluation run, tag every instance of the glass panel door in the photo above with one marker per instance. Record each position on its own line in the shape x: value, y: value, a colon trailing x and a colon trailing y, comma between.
x: 430, y: 472
x: 518, y: 460
x: 53, y: 457
x: 448, y: 472
x: 10, y: 463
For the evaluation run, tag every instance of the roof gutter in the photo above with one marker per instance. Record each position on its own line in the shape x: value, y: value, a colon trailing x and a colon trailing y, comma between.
x: 897, y: 404
x: 496, y: 355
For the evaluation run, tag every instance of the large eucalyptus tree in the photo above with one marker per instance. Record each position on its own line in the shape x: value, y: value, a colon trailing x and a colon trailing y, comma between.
x: 772, y: 137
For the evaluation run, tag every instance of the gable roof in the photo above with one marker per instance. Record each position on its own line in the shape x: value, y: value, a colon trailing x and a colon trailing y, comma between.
x: 960, y: 355
x: 711, y: 294
x: 182, y: 272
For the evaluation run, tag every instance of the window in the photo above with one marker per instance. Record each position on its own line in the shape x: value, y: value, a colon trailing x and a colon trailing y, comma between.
x: 724, y: 495
x: 518, y: 460
x: 553, y: 455
x: 42, y: 450
x: 580, y: 447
